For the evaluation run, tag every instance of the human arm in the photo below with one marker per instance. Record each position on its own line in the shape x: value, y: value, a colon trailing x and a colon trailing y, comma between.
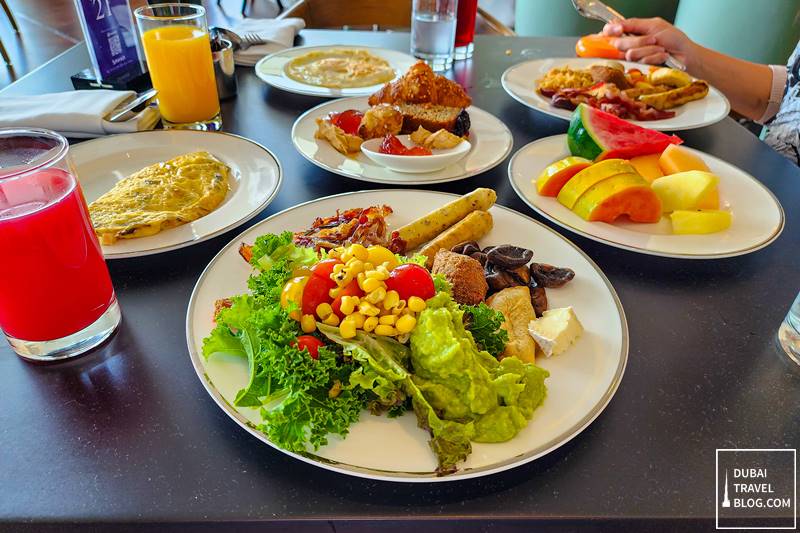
x: 747, y: 85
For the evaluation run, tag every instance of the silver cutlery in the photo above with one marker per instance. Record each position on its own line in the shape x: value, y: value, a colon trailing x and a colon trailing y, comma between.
x: 127, y: 109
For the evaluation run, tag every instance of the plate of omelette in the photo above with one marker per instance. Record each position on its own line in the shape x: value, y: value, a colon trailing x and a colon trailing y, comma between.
x: 154, y: 191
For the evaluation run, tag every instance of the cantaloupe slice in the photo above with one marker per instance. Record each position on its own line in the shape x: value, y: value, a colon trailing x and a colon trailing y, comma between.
x: 554, y: 177
x: 700, y: 222
x: 589, y: 176
x: 623, y: 194
x: 676, y: 159
x: 686, y: 190
x: 647, y: 166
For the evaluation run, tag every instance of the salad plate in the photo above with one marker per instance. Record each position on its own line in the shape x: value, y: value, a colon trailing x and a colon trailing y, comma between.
x: 491, y: 143
x: 519, y: 81
x: 255, y: 179
x: 271, y: 70
x: 758, y: 217
x: 582, y: 380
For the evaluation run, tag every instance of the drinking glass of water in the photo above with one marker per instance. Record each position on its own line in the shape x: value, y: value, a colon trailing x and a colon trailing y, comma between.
x: 433, y: 32
x: 789, y: 332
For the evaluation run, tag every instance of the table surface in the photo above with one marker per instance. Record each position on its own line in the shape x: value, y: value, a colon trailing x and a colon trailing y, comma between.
x: 129, y: 434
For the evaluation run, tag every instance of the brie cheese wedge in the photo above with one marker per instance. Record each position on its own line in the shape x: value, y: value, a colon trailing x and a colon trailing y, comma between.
x: 555, y: 330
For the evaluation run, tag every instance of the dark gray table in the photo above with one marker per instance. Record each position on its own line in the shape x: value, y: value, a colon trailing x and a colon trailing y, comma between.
x: 129, y: 435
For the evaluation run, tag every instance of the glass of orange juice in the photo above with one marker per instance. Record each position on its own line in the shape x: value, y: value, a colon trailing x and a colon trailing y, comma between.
x: 178, y: 53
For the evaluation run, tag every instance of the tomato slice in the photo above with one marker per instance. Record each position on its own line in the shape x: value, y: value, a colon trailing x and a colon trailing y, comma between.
x: 324, y: 268
x: 348, y: 120
x: 309, y: 343
x: 351, y: 289
x: 316, y: 292
x: 411, y: 280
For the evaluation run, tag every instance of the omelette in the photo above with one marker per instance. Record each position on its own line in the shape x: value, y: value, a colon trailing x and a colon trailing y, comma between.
x: 161, y: 196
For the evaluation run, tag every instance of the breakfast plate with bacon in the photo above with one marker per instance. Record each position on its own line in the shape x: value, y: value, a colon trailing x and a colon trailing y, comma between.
x: 419, y: 115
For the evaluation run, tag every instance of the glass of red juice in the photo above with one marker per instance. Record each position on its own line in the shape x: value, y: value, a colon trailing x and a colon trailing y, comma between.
x: 465, y: 28
x: 56, y: 297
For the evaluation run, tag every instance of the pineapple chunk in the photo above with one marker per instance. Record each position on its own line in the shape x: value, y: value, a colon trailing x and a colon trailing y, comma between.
x: 689, y: 190
x: 700, y: 222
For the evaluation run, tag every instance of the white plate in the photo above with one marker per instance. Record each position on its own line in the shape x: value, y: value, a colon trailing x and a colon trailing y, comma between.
x: 757, y: 215
x: 438, y: 159
x: 491, y: 143
x: 520, y: 82
x: 581, y: 383
x: 255, y: 180
x: 270, y: 69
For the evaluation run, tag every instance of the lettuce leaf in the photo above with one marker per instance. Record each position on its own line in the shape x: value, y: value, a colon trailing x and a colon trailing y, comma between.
x: 484, y: 324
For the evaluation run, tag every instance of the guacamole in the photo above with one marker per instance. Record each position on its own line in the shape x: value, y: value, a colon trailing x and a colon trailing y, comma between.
x: 493, y: 400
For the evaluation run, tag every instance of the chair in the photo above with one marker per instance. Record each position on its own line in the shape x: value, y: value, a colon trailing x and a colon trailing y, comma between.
x: 374, y: 14
x: 14, y: 25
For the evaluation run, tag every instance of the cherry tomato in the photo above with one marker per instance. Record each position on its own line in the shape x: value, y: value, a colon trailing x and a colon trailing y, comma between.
x: 316, y: 292
x: 351, y: 289
x: 348, y: 120
x: 309, y: 343
x: 324, y: 268
x: 411, y: 280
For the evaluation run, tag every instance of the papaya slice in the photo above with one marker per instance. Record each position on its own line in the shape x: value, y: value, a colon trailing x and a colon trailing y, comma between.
x: 624, y: 194
x: 554, y: 177
x: 589, y: 176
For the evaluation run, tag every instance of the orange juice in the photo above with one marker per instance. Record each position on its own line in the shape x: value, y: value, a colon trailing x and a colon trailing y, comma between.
x: 181, y: 68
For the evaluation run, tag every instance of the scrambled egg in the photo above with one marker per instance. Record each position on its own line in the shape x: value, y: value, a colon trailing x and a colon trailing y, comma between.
x: 339, y: 69
x: 160, y: 196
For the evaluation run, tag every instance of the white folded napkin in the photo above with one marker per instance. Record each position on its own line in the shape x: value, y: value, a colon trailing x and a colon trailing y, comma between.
x: 74, y: 113
x: 279, y: 34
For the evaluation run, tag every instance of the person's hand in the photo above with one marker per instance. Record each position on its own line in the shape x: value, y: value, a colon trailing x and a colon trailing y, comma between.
x: 652, y: 40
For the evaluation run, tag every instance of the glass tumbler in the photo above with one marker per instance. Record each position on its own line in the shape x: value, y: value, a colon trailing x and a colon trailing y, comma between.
x: 465, y: 28
x: 178, y: 52
x: 789, y: 332
x: 56, y: 297
x: 433, y: 31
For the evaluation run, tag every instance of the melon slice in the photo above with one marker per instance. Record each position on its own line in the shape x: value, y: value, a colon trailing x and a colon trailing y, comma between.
x: 676, y: 159
x: 687, y: 190
x: 700, y: 222
x: 647, y: 166
x: 624, y: 194
x: 554, y: 177
x: 598, y: 135
x: 587, y: 177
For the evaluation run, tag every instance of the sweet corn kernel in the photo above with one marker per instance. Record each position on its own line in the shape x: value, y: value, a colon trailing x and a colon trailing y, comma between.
x: 396, y: 311
x: 370, y: 323
x: 347, y: 255
x: 338, y: 267
x: 384, y: 270
x: 368, y: 266
x: 348, y: 304
x: 417, y: 304
x: 359, y: 252
x: 387, y: 331
x: 335, y: 253
x: 360, y: 278
x: 376, y: 296
x: 347, y: 329
x: 388, y: 320
x: 334, y: 292
x: 342, y: 278
x: 367, y: 309
x: 324, y: 310
x: 332, y: 320
x: 377, y: 274
x: 392, y: 299
x: 357, y: 318
x: 354, y: 266
x: 308, y: 324
x: 406, y: 323
x: 370, y: 284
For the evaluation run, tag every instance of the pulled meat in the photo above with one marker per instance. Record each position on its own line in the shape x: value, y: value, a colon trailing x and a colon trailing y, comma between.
x: 363, y: 226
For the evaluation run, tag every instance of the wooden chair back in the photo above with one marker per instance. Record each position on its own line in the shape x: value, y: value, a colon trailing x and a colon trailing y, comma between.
x: 361, y: 14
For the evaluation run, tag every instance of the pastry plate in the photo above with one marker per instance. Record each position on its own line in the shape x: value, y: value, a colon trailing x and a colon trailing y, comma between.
x: 255, y: 180
x: 271, y: 70
x: 519, y: 81
x: 582, y: 380
x: 758, y: 217
x: 490, y: 138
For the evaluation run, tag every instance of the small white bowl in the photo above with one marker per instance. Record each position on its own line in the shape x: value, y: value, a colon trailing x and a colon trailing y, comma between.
x: 414, y: 164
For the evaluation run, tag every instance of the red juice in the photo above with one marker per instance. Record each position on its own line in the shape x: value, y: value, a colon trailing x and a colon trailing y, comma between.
x: 465, y: 22
x: 53, y: 279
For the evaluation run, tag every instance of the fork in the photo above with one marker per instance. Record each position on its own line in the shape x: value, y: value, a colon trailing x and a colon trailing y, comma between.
x: 251, y: 38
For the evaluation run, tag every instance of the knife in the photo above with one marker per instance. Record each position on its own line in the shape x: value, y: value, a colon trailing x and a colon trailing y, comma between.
x: 128, y: 109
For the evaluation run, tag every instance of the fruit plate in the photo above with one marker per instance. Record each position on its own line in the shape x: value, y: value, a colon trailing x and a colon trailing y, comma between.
x: 490, y: 138
x: 271, y: 70
x: 757, y: 215
x: 255, y: 179
x: 582, y: 380
x: 519, y: 81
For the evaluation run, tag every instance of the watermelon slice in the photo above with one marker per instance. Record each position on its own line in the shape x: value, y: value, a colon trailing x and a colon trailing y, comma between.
x: 597, y: 135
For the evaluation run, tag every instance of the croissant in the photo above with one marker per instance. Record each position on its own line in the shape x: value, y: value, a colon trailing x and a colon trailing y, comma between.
x: 420, y: 85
